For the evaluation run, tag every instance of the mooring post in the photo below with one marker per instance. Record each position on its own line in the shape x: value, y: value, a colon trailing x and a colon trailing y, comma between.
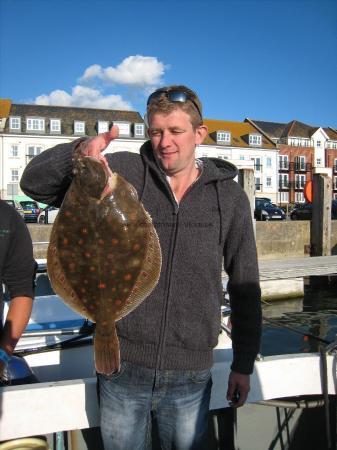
x: 246, y: 180
x: 320, y: 227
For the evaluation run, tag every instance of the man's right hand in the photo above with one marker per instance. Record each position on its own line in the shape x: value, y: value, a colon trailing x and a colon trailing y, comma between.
x: 95, y: 145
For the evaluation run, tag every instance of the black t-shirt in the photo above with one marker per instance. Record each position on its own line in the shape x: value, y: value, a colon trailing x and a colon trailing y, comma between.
x: 17, y: 265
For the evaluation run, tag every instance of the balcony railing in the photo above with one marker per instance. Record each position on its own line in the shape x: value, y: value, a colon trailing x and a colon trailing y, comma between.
x: 284, y: 185
x: 296, y: 184
x: 300, y: 166
x: 283, y: 165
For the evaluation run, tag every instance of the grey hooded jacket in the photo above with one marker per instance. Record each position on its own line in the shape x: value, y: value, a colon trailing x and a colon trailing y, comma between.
x: 178, y: 325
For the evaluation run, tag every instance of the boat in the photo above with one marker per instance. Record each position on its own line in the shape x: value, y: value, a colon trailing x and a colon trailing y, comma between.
x: 56, y: 397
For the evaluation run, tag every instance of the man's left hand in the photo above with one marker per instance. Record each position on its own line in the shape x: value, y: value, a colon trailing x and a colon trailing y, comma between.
x: 238, y: 388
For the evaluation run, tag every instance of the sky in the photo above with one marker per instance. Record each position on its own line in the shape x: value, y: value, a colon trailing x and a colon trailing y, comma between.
x: 267, y: 60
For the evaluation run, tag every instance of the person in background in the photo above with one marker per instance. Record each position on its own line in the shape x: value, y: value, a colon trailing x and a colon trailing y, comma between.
x: 17, y: 272
x: 203, y: 220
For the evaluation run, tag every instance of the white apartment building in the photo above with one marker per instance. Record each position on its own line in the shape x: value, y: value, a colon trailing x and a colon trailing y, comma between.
x: 27, y: 130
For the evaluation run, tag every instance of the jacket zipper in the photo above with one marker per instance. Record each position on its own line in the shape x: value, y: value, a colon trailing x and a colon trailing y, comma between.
x: 170, y: 268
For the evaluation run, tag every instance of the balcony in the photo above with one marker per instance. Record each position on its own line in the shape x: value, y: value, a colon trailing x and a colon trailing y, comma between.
x: 297, y: 185
x: 284, y: 186
x: 257, y: 167
x: 300, y: 166
x: 29, y: 158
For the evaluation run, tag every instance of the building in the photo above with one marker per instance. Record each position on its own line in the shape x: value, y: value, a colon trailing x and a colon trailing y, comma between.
x: 244, y: 145
x: 27, y: 130
x: 303, y: 151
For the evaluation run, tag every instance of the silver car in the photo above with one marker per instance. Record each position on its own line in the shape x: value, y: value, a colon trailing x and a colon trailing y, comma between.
x: 16, y: 205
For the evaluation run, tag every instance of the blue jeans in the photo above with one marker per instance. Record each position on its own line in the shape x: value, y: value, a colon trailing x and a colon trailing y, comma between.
x: 177, y: 399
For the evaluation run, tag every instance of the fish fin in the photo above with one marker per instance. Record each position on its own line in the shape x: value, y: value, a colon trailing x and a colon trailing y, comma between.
x: 107, y: 355
x: 57, y: 278
x: 148, y: 276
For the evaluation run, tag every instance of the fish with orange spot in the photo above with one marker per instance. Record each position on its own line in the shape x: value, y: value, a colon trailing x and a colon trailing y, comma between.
x: 118, y: 272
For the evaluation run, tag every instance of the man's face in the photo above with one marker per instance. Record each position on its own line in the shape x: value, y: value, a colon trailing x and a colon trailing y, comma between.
x: 174, y: 139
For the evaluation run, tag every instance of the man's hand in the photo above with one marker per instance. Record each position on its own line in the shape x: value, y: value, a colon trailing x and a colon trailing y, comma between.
x: 94, y: 146
x: 238, y: 388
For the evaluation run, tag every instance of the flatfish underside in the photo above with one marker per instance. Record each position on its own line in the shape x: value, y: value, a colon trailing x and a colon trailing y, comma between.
x: 104, y: 255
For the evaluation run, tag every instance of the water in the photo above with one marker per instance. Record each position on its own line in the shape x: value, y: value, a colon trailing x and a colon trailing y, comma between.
x: 301, y: 325
x: 290, y: 326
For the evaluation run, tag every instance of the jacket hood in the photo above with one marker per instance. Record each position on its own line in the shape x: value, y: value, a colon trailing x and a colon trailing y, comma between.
x: 214, y: 169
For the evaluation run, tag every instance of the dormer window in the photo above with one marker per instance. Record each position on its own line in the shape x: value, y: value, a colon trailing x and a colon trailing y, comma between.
x: 79, y: 127
x: 102, y: 126
x: 55, y: 125
x: 255, y: 139
x: 15, y: 123
x: 124, y: 128
x: 139, y: 130
x: 223, y: 137
x: 35, y: 124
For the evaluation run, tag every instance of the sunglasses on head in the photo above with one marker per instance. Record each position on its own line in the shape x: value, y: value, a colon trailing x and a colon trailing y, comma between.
x: 174, y: 96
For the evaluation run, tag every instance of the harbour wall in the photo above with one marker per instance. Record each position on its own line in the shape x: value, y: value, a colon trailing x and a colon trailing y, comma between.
x: 274, y: 240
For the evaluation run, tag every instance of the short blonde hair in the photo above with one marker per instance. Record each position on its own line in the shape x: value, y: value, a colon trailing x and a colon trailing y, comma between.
x: 159, y: 102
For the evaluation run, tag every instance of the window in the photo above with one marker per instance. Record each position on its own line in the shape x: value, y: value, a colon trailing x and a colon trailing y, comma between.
x: 318, y: 161
x: 124, y: 128
x: 257, y: 184
x: 257, y: 164
x: 283, y: 162
x: 268, y: 162
x: 139, y: 130
x: 55, y: 125
x: 223, y: 157
x: 255, y: 139
x: 335, y: 183
x: 283, y: 181
x: 14, y: 175
x: 300, y: 163
x: 14, y: 151
x: 299, y: 197
x: 15, y: 123
x: 299, y: 181
x: 318, y: 143
x: 242, y: 158
x: 35, y: 124
x: 223, y: 137
x: 102, y: 126
x: 335, y: 165
x: 284, y: 197
x: 79, y: 127
x: 268, y: 182
x: 12, y: 189
x: 32, y: 151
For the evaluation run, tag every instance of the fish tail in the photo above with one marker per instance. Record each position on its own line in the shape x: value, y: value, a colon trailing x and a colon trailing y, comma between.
x: 106, y: 347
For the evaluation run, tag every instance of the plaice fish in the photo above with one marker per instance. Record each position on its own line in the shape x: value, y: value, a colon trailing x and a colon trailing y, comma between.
x: 104, y: 255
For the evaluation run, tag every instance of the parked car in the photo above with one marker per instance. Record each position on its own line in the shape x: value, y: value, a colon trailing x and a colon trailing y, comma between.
x: 48, y: 215
x: 266, y: 210
x: 17, y: 206
x: 31, y: 210
x: 304, y: 211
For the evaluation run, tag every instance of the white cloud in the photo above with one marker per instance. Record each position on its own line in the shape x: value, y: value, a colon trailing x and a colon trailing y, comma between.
x: 142, y: 71
x: 83, y: 96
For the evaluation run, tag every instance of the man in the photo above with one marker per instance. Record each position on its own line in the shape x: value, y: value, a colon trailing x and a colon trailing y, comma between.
x: 202, y: 217
x: 17, y: 269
